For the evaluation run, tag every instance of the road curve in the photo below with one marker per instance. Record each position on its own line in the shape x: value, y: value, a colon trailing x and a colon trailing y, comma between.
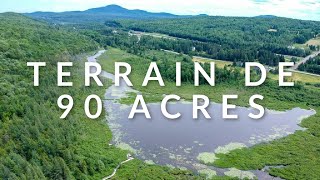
x: 115, y: 169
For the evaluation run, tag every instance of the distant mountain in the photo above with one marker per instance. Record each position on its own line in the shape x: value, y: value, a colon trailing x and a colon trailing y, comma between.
x: 98, y: 15
x: 266, y: 16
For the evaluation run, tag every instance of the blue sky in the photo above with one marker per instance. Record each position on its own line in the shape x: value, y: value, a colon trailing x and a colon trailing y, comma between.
x: 300, y: 9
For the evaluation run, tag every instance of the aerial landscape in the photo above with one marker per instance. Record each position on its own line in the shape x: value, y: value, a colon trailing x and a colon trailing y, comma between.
x: 161, y: 109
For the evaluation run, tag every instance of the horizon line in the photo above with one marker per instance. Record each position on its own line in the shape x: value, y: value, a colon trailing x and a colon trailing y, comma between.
x: 150, y: 11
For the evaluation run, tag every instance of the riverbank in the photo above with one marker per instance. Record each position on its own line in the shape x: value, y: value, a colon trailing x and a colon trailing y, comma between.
x: 130, y: 167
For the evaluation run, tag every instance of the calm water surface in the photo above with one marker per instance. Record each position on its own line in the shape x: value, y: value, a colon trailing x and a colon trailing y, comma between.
x: 179, y: 142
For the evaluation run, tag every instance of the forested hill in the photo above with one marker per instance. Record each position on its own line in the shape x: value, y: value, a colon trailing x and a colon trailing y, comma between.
x: 22, y: 38
x: 100, y: 14
x: 34, y: 142
x: 234, y: 38
x: 312, y: 66
x: 232, y: 30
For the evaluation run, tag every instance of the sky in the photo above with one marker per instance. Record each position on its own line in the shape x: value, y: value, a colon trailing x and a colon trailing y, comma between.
x: 299, y: 9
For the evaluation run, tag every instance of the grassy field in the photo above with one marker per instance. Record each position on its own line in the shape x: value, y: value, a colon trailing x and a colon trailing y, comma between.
x: 139, y: 68
x: 163, y: 55
x: 296, y: 76
x: 156, y: 35
x: 219, y: 63
x: 301, y: 46
x: 314, y: 42
x: 140, y: 65
x: 289, y: 58
x: 305, y: 77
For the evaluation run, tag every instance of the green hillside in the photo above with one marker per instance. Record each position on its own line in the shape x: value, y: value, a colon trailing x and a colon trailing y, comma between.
x: 34, y: 142
x: 234, y: 38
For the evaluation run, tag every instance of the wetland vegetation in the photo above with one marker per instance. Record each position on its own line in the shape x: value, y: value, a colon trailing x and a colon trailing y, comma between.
x: 278, y: 98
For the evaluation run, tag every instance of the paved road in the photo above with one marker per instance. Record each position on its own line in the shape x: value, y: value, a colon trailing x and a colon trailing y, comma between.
x: 295, y: 67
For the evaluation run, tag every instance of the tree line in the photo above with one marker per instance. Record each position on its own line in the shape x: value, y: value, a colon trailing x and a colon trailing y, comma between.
x: 312, y: 65
x: 231, y: 38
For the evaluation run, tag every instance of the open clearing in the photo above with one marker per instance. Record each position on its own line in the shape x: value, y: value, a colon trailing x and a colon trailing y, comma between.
x: 314, y: 42
x: 305, y: 46
x: 299, y: 76
x: 304, y: 77
x: 156, y: 35
x: 296, y: 75
x: 219, y: 63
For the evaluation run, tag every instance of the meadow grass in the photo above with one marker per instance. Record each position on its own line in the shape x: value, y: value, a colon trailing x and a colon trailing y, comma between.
x: 218, y: 63
x: 187, y: 90
x: 314, y: 42
x: 298, y: 76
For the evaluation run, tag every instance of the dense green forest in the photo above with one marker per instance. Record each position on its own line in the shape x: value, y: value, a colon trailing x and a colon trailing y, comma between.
x: 35, y: 143
x: 312, y: 65
x: 233, y: 38
x: 167, y: 64
x: 232, y: 31
x: 237, y: 39
x: 106, y: 36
